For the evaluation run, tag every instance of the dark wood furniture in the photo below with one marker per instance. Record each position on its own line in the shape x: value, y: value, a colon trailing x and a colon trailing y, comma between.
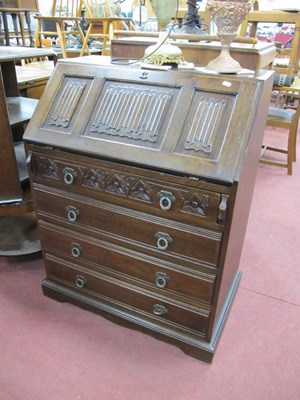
x: 251, y: 56
x: 142, y: 183
x: 15, y: 112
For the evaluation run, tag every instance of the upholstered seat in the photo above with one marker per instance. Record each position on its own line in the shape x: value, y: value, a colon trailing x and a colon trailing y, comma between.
x: 286, y: 119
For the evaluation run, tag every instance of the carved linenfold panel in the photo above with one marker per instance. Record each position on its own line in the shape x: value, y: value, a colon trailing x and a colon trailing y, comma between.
x: 133, y: 112
x: 205, y: 124
x: 118, y: 184
x: 196, y: 204
x: 140, y: 190
x: 49, y: 167
x: 95, y: 178
x: 67, y: 103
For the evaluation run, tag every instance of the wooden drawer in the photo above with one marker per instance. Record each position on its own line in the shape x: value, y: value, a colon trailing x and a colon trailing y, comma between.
x: 106, y: 288
x: 160, y: 275
x: 133, y: 187
x: 148, y: 231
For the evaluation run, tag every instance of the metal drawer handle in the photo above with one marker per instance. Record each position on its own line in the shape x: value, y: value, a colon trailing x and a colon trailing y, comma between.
x: 161, y: 279
x: 166, y: 199
x: 72, y: 213
x: 69, y: 176
x: 75, y: 250
x: 163, y: 240
x: 80, y: 281
x: 159, y: 310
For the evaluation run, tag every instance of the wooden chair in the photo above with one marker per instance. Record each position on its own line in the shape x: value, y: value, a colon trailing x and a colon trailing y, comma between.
x: 18, y: 15
x: 66, y: 15
x: 101, y: 23
x: 287, y: 119
x: 275, y: 16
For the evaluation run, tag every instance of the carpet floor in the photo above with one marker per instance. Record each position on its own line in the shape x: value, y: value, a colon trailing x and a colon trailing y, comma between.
x: 57, y: 351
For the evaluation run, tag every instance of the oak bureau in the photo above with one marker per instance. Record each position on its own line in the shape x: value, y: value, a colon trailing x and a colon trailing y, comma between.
x: 142, y: 182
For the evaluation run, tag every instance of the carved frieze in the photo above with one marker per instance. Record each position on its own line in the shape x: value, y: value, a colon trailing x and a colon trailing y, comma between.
x: 127, y: 186
x: 118, y: 184
x: 140, y: 190
x: 196, y: 204
x: 95, y: 178
x: 49, y: 167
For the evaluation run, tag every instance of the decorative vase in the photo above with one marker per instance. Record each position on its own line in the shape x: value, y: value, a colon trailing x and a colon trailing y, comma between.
x: 228, y: 16
x: 163, y: 52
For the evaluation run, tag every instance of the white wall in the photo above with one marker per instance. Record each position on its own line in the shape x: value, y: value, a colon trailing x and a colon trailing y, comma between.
x: 276, y: 4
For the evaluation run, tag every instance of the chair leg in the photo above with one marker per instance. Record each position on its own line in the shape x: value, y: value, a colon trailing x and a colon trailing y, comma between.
x: 62, y: 40
x: 37, y: 41
x: 295, y: 147
x: 78, y: 27
x: 86, y: 40
x: 291, y: 150
x: 105, y: 51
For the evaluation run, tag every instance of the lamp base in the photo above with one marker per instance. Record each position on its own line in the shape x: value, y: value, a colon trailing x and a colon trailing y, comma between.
x: 163, y: 52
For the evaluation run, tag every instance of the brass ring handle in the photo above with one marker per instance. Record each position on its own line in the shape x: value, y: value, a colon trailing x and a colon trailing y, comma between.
x: 75, y: 250
x: 159, y: 310
x: 72, y: 213
x: 80, y: 281
x: 163, y: 240
x: 69, y: 176
x: 161, y: 279
x: 166, y: 199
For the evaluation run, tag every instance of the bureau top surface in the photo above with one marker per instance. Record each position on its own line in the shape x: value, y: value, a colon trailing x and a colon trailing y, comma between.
x: 183, y: 122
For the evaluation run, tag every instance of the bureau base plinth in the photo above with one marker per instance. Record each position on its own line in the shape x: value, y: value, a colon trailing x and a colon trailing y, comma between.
x: 190, y: 344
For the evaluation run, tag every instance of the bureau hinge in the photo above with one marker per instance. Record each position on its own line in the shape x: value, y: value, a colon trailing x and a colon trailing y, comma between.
x: 222, y: 208
x: 29, y: 162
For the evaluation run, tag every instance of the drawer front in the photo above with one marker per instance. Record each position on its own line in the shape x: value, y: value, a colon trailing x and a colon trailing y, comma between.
x: 134, y: 299
x: 157, y: 234
x: 165, y: 277
x: 169, y: 200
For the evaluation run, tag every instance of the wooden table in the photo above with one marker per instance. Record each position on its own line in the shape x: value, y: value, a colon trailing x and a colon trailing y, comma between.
x: 33, y: 77
x: 250, y: 56
x: 14, y: 112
